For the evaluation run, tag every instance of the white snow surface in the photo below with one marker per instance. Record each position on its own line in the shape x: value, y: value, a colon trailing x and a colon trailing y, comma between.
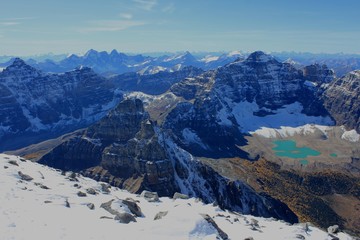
x: 307, y: 129
x: 351, y: 136
x: 289, y: 115
x: 285, y: 131
x: 209, y: 58
x: 148, y: 99
x: 190, y: 137
x: 28, y: 211
x: 310, y: 84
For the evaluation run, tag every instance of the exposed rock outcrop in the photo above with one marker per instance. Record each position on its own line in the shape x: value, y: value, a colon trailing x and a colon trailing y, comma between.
x: 121, y: 149
x: 318, y: 73
x: 342, y: 100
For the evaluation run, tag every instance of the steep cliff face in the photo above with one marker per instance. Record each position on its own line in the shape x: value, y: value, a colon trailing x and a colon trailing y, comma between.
x: 130, y: 151
x: 34, y: 103
x: 342, y: 100
x: 319, y: 73
x: 199, y: 180
x: 122, y: 148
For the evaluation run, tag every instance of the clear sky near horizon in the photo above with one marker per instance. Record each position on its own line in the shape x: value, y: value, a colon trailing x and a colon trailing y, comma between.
x: 74, y: 26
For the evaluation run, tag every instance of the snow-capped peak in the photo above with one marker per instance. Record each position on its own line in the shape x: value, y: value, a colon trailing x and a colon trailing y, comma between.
x: 234, y: 53
x: 19, y: 67
x: 90, y: 53
x: 209, y: 58
x: 260, y: 57
x: 290, y: 61
x: 186, y: 55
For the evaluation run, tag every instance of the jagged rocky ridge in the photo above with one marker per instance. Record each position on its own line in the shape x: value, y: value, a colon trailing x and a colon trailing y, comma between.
x: 130, y: 151
x: 33, y: 103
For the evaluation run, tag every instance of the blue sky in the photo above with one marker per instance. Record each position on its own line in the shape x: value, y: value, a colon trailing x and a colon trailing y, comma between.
x: 74, y: 26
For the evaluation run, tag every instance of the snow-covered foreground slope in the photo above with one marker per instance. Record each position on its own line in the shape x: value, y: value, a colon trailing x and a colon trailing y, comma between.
x: 49, y: 207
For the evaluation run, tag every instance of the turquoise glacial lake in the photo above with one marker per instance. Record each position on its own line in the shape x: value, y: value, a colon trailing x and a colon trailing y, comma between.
x: 288, y: 148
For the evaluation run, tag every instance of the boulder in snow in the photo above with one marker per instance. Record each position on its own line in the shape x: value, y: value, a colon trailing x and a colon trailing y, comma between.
x: 180, y: 196
x: 133, y: 207
x: 150, y: 196
x: 333, y: 229
x: 125, y: 218
x: 24, y: 176
x: 160, y: 215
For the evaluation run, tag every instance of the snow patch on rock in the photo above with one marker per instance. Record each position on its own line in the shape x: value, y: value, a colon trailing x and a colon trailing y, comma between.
x: 289, y: 115
x: 190, y: 137
x: 351, y: 136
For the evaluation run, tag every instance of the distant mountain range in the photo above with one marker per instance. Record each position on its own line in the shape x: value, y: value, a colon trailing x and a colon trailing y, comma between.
x: 108, y: 64
x: 114, y: 62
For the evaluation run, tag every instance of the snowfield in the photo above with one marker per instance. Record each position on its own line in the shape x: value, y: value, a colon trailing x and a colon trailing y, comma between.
x: 307, y: 129
x: 38, y: 202
x: 289, y: 115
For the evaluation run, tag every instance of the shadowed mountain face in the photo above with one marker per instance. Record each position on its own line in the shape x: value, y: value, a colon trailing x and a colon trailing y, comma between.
x: 37, y: 105
x: 122, y: 145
